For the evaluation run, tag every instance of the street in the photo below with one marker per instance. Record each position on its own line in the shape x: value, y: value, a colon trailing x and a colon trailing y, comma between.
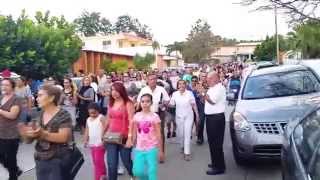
x: 175, y: 168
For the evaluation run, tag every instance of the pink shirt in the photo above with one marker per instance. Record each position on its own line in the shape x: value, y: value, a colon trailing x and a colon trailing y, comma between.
x: 118, y: 120
x: 146, y: 132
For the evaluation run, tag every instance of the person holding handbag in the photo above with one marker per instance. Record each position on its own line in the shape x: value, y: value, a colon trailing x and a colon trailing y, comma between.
x: 55, y: 153
x: 118, y: 137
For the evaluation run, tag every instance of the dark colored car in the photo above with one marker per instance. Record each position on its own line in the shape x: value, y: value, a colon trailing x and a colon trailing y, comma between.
x: 301, y: 148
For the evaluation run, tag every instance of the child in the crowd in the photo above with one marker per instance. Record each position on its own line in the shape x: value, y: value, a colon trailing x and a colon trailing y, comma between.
x: 147, y: 135
x: 93, y: 138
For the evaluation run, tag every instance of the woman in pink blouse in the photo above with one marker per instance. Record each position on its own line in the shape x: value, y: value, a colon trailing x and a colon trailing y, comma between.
x: 119, y: 118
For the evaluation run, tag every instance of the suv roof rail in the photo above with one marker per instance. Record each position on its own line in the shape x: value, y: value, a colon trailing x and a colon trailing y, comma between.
x: 262, y: 65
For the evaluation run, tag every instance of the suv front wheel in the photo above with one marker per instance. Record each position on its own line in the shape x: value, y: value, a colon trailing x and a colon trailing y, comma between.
x: 241, y: 161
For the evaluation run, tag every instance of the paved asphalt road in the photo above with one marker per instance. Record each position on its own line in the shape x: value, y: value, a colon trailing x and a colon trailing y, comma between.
x: 175, y: 167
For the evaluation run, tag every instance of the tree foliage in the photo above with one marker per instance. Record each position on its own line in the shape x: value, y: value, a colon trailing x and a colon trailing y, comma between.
x: 91, y: 24
x: 143, y: 62
x: 298, y: 10
x: 45, y: 47
x: 267, y: 50
x: 306, y: 39
x: 118, y: 66
x: 175, y: 47
x: 126, y: 24
x: 200, y: 42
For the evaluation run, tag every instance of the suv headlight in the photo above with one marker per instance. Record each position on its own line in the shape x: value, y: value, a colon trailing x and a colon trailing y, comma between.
x: 240, y: 122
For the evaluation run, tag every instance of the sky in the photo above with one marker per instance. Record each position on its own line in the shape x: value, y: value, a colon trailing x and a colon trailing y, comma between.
x: 170, y: 20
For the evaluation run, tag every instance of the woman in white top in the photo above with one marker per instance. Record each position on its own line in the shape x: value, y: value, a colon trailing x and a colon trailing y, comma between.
x: 185, y: 103
x: 94, y: 82
x: 93, y: 138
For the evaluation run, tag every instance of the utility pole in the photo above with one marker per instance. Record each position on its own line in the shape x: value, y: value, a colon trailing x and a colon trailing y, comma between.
x: 277, y: 36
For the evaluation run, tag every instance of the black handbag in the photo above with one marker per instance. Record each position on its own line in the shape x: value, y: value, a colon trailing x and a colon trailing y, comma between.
x: 72, y: 162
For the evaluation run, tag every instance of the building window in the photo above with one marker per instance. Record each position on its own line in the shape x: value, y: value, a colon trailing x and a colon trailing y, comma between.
x: 106, y: 44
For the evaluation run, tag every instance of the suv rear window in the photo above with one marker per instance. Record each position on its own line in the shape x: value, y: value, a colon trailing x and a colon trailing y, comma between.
x: 281, y: 84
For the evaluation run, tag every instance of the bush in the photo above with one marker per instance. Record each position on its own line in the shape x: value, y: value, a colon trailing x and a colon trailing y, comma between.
x: 143, y: 63
x: 118, y: 66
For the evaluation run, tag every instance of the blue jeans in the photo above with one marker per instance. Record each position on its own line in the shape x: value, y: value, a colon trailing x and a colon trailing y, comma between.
x: 145, y: 164
x: 50, y: 170
x: 113, y: 151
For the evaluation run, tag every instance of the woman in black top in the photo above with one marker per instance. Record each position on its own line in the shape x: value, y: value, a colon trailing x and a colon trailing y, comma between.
x: 54, y: 136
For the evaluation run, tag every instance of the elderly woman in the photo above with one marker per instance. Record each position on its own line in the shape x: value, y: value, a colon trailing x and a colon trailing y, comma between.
x: 54, y: 136
x: 86, y: 95
x: 186, y: 107
x: 9, y: 134
x: 69, y: 99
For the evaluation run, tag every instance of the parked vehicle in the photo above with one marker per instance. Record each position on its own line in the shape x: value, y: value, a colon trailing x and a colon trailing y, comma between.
x: 233, y: 89
x: 269, y: 98
x: 301, y: 148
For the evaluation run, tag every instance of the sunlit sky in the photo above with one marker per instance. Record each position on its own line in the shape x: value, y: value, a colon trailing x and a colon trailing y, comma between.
x: 170, y: 20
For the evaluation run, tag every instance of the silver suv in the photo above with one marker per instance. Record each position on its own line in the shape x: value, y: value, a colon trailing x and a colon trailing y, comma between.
x: 269, y: 98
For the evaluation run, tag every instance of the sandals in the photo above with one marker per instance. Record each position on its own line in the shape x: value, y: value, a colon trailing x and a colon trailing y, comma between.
x: 187, y: 157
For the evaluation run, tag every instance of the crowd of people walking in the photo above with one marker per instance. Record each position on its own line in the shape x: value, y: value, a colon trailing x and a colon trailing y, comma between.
x: 124, y: 117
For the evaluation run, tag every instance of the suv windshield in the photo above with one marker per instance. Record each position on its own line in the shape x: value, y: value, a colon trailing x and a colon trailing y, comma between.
x: 281, y: 84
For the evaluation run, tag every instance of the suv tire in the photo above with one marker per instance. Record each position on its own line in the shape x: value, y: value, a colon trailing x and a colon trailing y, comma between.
x: 237, y: 158
x: 241, y: 161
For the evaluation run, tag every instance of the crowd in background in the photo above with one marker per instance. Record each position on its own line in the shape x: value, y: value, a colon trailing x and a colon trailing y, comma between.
x: 116, y: 102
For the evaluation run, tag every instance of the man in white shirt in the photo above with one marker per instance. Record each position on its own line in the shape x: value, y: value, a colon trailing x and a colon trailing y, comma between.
x: 102, y: 78
x: 215, y: 104
x: 160, y: 99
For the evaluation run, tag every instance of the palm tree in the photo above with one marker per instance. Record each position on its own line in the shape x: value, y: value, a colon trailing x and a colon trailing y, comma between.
x: 176, y: 47
x: 155, y: 47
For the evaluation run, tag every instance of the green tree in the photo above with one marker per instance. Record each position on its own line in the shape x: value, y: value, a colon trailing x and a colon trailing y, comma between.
x: 266, y: 51
x: 106, y: 64
x: 119, y: 66
x: 306, y: 39
x: 47, y: 47
x: 126, y: 24
x: 143, y: 62
x: 200, y: 42
x: 90, y: 24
